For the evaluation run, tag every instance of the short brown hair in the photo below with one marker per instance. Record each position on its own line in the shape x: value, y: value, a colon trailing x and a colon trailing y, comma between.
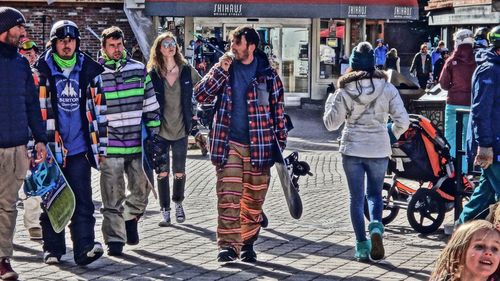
x: 251, y: 35
x: 111, y: 32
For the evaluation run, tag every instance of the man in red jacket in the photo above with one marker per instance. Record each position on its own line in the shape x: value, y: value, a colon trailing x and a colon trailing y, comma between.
x: 456, y: 79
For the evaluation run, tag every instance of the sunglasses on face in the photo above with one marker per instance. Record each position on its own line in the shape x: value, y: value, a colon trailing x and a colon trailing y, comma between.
x: 168, y: 44
x: 28, y: 45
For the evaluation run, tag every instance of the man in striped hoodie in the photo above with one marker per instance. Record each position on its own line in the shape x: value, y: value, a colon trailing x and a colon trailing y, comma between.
x: 131, y: 104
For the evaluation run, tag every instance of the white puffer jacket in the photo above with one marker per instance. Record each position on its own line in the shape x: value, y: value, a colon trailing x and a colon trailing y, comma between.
x: 365, y: 108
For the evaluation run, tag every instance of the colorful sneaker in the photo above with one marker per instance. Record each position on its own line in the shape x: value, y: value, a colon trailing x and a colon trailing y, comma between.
x: 89, y: 256
x: 49, y: 258
x: 6, y: 271
x: 180, y: 217
x: 227, y: 255
x: 165, y: 218
x: 131, y: 231
x: 248, y: 254
x: 376, y: 230
x: 363, y: 249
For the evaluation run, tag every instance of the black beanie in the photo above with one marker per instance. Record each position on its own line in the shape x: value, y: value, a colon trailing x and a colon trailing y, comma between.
x: 10, y: 17
x: 362, y: 57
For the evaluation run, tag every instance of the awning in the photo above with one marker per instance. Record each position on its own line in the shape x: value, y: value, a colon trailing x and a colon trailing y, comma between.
x: 364, y: 9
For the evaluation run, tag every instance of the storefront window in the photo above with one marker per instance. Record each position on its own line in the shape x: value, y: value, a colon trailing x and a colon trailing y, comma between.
x: 330, y: 47
x: 288, y: 48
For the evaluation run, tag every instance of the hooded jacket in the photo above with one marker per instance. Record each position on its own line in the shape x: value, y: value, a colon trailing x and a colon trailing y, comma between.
x: 19, y: 104
x: 486, y: 106
x: 365, y: 106
x: 457, y: 74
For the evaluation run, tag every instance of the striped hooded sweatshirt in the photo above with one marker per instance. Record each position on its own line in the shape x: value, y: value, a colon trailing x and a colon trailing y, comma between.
x: 131, y: 103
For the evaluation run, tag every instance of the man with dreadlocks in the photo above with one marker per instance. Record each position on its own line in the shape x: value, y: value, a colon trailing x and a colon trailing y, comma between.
x: 364, y: 100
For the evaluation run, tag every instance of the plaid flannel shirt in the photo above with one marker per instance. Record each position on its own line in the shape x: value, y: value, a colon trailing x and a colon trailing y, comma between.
x: 265, y: 115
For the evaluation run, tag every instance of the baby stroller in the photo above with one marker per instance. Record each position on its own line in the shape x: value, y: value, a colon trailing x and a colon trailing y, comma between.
x: 421, y: 154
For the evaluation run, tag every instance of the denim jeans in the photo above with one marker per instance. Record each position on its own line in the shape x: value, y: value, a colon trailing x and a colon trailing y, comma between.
x: 355, y: 169
x: 179, y: 153
x: 486, y: 193
x: 77, y: 174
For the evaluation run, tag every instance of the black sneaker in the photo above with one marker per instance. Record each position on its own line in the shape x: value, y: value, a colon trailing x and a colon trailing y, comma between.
x: 49, y: 258
x: 90, y: 255
x: 132, y: 233
x: 227, y: 255
x: 248, y: 254
x: 115, y: 248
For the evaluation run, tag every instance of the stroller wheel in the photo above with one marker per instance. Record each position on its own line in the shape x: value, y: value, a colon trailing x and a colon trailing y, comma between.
x: 390, y: 210
x: 426, y: 211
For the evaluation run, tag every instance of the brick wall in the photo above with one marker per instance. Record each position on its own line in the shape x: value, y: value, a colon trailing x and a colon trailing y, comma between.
x: 96, y: 16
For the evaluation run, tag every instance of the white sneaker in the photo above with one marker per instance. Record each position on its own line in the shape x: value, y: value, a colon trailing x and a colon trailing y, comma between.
x: 165, y: 218
x: 180, y: 217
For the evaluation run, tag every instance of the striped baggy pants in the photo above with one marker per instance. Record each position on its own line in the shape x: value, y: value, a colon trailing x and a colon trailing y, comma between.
x: 241, y: 190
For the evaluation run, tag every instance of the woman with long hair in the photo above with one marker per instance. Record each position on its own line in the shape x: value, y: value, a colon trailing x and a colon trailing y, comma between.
x: 173, y: 79
x: 472, y: 254
x: 364, y: 99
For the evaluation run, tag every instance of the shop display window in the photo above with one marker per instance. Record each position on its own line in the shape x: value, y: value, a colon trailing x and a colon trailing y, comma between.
x: 330, y: 47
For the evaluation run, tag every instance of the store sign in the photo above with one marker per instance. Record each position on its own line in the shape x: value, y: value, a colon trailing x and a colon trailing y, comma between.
x: 356, y: 11
x: 228, y: 10
x: 403, y: 12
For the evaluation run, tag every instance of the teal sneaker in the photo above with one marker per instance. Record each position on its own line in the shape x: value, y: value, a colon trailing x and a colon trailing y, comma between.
x: 376, y: 230
x: 363, y: 249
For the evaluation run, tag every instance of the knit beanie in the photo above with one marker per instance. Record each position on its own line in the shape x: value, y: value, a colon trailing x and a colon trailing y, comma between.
x: 10, y: 17
x: 463, y: 36
x: 362, y: 57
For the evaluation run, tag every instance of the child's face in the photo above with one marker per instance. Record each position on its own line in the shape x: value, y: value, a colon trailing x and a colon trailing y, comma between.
x: 483, y: 254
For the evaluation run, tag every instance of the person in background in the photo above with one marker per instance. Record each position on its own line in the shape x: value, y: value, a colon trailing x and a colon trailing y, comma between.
x: 436, y: 53
x: 481, y: 38
x: 32, y: 208
x: 380, y: 54
x: 364, y: 101
x: 471, y: 254
x: 173, y: 79
x: 483, y: 135
x: 392, y: 61
x: 19, y: 113
x: 131, y: 104
x: 74, y: 111
x: 249, y: 124
x: 422, y: 66
x: 438, y: 66
x: 456, y: 79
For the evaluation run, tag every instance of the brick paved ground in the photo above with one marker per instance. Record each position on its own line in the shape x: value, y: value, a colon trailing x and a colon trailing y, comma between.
x: 319, y: 246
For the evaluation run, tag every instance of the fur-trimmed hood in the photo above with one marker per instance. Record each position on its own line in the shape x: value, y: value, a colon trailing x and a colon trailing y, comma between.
x: 362, y: 88
x: 358, y: 75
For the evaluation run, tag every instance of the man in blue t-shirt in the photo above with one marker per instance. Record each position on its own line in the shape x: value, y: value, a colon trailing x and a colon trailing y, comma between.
x: 248, y: 122
x: 73, y: 109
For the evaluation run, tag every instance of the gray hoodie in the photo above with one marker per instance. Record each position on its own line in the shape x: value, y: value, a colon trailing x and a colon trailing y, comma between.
x: 365, y: 108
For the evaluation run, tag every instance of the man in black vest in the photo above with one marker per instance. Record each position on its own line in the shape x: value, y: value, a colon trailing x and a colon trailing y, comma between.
x: 19, y: 112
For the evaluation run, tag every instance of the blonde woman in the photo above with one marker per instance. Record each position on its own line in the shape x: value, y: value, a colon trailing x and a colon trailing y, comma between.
x: 472, y: 254
x: 173, y: 79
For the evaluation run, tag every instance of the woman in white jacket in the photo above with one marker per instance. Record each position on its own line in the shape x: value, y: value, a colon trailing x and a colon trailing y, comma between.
x: 364, y: 101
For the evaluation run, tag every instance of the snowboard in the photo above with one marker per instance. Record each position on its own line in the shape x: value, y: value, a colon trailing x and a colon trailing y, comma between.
x: 58, y: 200
x: 291, y: 192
